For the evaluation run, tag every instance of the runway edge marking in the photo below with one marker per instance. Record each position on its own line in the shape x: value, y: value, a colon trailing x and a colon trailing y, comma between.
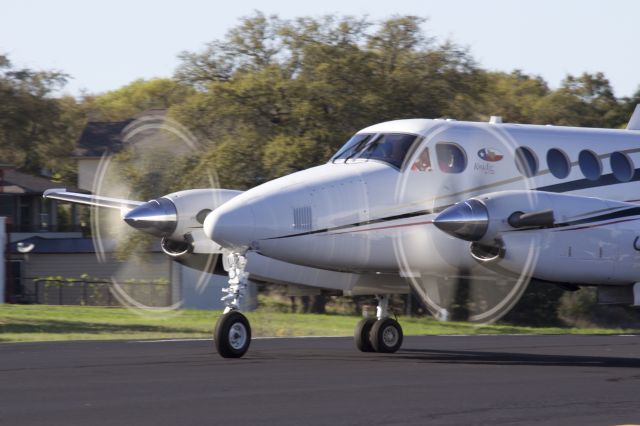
x: 254, y: 338
x: 419, y: 335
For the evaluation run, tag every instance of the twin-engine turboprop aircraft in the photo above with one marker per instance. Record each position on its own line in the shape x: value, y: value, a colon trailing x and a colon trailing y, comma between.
x: 465, y: 214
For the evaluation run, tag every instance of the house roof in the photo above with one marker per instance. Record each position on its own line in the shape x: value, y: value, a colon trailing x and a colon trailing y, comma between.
x: 100, y: 137
x: 43, y: 245
x: 15, y: 182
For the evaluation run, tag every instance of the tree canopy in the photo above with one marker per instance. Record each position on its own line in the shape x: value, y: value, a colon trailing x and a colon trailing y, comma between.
x: 37, y: 131
x: 275, y: 96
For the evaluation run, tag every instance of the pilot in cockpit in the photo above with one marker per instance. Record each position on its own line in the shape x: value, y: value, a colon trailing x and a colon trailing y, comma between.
x: 422, y: 163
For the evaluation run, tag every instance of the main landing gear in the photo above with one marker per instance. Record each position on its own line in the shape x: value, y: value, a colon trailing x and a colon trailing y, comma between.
x: 232, y: 334
x: 380, y: 334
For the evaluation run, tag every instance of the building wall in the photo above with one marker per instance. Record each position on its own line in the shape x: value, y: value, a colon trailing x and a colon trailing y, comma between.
x: 87, y: 168
x: 156, y: 267
x: 74, y: 265
x: 201, y: 290
x: 3, y: 244
x: 192, y: 288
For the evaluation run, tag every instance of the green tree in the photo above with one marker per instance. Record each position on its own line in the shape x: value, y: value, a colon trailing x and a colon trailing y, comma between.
x: 37, y: 131
x: 628, y: 106
x: 514, y: 96
x: 134, y: 98
x: 236, y: 161
x: 586, y: 100
x: 284, y: 155
x: 300, y: 88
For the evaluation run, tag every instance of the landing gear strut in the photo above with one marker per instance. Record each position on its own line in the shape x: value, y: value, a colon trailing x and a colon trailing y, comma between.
x: 232, y: 334
x: 382, y: 334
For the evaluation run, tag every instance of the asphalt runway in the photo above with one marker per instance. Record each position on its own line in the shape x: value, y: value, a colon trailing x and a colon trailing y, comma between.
x: 433, y: 380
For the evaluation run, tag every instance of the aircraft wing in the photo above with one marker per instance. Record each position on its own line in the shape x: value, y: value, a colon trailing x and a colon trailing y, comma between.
x: 91, y: 200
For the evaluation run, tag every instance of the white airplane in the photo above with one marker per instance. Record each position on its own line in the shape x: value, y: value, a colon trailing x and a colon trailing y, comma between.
x: 463, y: 213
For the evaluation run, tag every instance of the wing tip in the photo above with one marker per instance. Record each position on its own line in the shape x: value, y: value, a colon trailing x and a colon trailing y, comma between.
x: 50, y: 191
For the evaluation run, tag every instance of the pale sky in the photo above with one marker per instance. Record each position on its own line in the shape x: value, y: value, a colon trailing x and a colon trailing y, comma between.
x: 107, y: 44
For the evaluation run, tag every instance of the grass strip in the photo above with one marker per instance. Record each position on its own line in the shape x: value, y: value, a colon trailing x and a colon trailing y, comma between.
x: 38, y: 323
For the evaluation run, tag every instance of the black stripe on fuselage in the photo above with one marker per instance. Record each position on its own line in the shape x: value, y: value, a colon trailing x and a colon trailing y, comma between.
x: 604, y: 180
x: 575, y: 185
x: 631, y: 211
x: 353, y: 225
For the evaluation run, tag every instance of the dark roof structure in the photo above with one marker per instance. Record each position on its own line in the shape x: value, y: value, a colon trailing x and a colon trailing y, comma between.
x: 15, y: 182
x: 101, y: 137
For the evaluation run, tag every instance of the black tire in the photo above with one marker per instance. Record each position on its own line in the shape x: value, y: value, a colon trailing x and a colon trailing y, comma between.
x: 232, y: 335
x: 361, y: 335
x: 386, y: 335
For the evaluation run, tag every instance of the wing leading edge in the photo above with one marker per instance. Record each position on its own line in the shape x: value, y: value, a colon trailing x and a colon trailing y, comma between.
x: 91, y: 200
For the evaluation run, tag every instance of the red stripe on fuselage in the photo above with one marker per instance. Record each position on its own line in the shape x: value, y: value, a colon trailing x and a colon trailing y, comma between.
x: 427, y: 222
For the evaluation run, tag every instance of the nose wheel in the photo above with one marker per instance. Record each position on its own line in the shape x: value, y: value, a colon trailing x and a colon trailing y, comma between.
x: 383, y: 334
x: 232, y: 335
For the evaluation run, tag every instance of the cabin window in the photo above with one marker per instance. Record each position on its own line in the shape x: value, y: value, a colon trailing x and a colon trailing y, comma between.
x: 526, y: 161
x: 622, y: 166
x: 558, y: 163
x: 590, y: 165
x: 422, y: 163
x: 451, y: 158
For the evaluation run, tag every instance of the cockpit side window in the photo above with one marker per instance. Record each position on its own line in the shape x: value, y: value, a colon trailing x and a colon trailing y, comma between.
x: 391, y: 148
x: 451, y: 158
x: 423, y: 162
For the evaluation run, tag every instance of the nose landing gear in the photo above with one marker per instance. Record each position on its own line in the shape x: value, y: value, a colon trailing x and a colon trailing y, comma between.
x: 382, y: 334
x: 232, y: 334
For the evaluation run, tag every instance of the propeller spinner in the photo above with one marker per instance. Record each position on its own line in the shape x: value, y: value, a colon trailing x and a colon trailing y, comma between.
x: 467, y: 220
x: 157, y: 217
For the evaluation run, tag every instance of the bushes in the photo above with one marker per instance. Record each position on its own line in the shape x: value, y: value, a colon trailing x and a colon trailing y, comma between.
x: 545, y: 304
x: 580, y: 309
x: 537, y: 307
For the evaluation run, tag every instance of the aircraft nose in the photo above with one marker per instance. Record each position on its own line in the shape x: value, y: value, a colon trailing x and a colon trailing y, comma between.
x: 232, y: 228
x: 157, y: 217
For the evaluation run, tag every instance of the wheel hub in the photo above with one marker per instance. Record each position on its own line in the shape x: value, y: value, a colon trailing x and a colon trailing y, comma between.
x: 237, y: 335
x: 390, y: 336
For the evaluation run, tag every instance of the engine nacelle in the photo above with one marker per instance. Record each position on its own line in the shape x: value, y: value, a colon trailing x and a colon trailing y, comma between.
x: 505, y: 209
x: 187, y: 244
x: 192, y: 207
x: 553, y: 237
x: 177, y: 218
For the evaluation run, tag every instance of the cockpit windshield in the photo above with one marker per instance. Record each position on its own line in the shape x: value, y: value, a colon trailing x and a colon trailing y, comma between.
x: 391, y: 148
